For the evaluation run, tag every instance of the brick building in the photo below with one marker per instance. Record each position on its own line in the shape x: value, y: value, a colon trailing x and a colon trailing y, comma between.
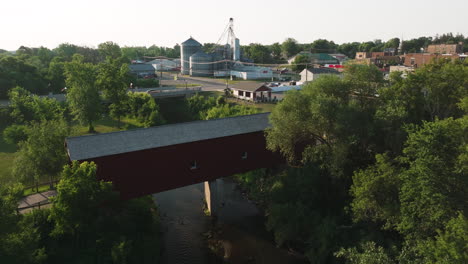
x: 418, y: 59
x: 445, y: 48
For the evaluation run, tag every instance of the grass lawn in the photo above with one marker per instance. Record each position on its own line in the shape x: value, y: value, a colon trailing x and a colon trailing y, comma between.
x: 6, y: 160
x: 42, y: 188
x: 106, y: 125
x: 7, y: 155
x: 188, y: 85
x: 263, y: 107
x: 211, y: 93
x: 8, y: 151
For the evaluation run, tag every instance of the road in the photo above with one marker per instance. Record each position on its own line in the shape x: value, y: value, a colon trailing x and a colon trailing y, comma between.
x: 207, y: 84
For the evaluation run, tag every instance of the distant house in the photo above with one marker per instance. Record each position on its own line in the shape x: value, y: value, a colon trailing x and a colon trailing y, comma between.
x: 251, y: 91
x: 340, y: 57
x: 381, y: 59
x: 308, y: 75
x: 141, y: 70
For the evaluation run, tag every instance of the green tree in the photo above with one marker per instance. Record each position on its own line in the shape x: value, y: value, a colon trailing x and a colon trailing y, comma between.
x: 276, y: 50
x: 15, y: 71
x: 368, y: 252
x: 143, y: 107
x: 258, y: 53
x: 392, y: 43
x: 375, y: 192
x: 199, y: 105
x: 56, y: 74
x: 324, y: 119
x: 289, y: 47
x: 26, y: 107
x: 83, y: 94
x: 79, y: 194
x: 110, y: 50
x: 66, y: 51
x: 111, y: 80
x: 300, y: 63
x: 450, y: 245
x: 42, y: 154
x: 349, y: 49
x: 20, y: 238
x: 434, y: 186
x: 323, y: 46
x: 15, y: 134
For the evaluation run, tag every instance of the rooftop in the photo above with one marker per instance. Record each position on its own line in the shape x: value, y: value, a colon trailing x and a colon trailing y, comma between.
x: 140, y: 67
x: 322, y: 71
x: 191, y: 42
x: 99, y: 145
x: 249, y: 86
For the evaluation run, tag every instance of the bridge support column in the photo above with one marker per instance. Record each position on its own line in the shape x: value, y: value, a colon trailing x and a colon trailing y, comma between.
x: 212, y: 196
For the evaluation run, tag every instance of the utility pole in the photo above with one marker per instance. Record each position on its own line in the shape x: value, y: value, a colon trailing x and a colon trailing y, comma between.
x: 306, y: 71
x: 161, y: 76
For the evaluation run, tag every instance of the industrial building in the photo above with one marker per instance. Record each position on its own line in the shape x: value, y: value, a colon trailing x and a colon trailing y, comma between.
x: 223, y: 61
x: 164, y: 64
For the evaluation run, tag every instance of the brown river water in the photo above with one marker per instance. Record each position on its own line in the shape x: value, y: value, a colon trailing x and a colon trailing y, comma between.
x: 236, y: 235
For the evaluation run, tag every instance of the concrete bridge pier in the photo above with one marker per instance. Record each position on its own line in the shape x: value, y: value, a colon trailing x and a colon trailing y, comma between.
x: 213, y: 196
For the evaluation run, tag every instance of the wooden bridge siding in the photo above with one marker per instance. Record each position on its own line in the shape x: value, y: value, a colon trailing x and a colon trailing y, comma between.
x: 150, y: 171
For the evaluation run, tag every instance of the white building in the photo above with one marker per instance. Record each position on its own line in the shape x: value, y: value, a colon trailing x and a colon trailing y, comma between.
x: 163, y: 64
x: 308, y: 75
x: 251, y: 91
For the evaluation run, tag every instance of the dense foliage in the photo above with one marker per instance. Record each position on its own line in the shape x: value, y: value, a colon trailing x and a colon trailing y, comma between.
x: 41, y: 70
x: 86, y: 224
x: 377, y: 169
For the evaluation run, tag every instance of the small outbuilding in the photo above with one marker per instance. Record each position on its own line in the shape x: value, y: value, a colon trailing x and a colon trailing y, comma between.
x: 308, y: 75
x: 141, y: 70
x: 252, y: 91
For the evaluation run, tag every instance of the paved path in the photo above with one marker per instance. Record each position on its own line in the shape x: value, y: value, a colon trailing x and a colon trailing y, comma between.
x: 34, y: 200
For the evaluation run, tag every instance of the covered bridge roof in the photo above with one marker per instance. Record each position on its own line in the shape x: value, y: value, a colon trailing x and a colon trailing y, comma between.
x: 99, y: 145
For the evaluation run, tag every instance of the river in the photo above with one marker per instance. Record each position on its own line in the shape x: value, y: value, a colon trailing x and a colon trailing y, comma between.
x: 239, y: 229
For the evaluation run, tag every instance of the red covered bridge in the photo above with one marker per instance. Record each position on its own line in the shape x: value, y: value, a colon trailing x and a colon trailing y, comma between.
x: 150, y: 160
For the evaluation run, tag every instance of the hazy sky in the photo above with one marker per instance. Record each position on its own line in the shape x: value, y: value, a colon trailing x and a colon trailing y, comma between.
x: 48, y: 23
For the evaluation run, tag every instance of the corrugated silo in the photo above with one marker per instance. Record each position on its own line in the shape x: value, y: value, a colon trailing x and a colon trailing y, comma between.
x: 201, y: 64
x: 187, y: 49
x: 236, y: 56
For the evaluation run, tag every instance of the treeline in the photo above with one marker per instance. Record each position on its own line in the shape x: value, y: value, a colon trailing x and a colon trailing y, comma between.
x: 87, y: 222
x: 377, y: 169
x: 41, y: 70
x: 280, y: 52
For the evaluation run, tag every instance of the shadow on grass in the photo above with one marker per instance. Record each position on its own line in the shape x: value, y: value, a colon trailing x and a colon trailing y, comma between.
x: 106, y: 125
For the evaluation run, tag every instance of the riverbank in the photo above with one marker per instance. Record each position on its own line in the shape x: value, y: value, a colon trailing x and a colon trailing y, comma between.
x: 238, y: 235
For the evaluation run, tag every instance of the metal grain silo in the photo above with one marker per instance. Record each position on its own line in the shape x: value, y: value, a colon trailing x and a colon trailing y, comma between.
x: 201, y: 64
x: 187, y: 49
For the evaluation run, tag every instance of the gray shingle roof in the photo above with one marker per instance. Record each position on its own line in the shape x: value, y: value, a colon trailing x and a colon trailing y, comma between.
x: 249, y: 86
x: 141, y: 67
x: 92, y: 146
